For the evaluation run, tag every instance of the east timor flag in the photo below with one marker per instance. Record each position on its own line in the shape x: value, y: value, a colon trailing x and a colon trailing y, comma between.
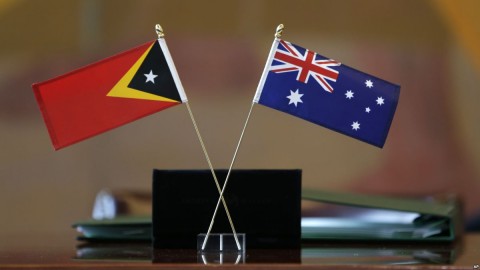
x: 109, y: 93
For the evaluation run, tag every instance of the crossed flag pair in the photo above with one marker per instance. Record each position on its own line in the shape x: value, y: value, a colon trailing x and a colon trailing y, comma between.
x: 142, y: 81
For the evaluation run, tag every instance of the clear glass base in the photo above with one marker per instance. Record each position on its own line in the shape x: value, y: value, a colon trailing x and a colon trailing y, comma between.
x: 221, y: 258
x: 221, y: 242
x: 221, y: 248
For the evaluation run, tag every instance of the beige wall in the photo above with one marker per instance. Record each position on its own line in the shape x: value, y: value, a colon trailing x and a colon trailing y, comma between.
x: 219, y: 48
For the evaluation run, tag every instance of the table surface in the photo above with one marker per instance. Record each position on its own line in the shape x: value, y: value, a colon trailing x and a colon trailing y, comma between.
x: 65, y: 252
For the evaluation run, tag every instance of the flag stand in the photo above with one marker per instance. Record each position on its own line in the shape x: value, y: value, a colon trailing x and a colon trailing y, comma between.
x: 222, y: 248
x: 205, y: 237
x: 238, y: 240
x: 226, y: 242
x: 220, y: 244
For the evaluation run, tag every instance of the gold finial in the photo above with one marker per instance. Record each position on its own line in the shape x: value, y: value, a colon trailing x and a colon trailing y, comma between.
x: 279, y: 31
x: 159, y: 31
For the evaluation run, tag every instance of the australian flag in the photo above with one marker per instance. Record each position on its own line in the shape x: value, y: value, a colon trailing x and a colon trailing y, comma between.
x: 305, y: 84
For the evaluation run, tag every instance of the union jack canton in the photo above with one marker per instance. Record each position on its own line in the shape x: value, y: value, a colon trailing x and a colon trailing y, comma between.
x: 306, y: 64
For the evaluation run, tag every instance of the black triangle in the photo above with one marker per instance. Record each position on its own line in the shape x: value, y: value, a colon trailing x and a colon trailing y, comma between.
x: 163, y: 85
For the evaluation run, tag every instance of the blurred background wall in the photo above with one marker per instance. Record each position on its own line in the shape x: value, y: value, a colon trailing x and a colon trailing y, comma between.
x: 219, y: 48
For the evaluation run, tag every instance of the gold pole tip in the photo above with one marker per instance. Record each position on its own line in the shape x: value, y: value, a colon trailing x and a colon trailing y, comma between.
x: 278, y: 32
x: 159, y: 31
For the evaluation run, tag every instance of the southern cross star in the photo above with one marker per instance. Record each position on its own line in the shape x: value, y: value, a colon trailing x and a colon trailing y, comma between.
x: 356, y: 125
x: 369, y: 83
x: 380, y: 101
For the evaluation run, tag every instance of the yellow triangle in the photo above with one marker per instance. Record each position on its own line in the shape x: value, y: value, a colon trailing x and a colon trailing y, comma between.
x: 122, y: 90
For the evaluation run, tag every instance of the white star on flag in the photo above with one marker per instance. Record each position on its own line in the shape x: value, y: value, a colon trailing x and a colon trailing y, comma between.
x: 356, y: 125
x: 150, y: 77
x: 295, y: 97
x: 380, y: 101
x: 349, y: 94
x: 367, y: 110
x: 369, y: 83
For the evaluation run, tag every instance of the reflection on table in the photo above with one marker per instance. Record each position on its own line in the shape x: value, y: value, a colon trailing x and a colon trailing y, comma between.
x: 313, y: 253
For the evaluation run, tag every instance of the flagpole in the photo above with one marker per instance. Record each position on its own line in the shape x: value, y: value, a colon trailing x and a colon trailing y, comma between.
x: 278, y: 34
x: 226, y: 180
x: 220, y: 191
x: 160, y: 34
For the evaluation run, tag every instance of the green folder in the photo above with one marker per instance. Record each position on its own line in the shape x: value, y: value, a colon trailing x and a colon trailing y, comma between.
x: 344, y: 216
x: 122, y: 228
x: 340, y: 216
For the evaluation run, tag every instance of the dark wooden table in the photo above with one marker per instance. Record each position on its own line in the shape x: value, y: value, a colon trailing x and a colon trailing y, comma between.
x: 63, y: 251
